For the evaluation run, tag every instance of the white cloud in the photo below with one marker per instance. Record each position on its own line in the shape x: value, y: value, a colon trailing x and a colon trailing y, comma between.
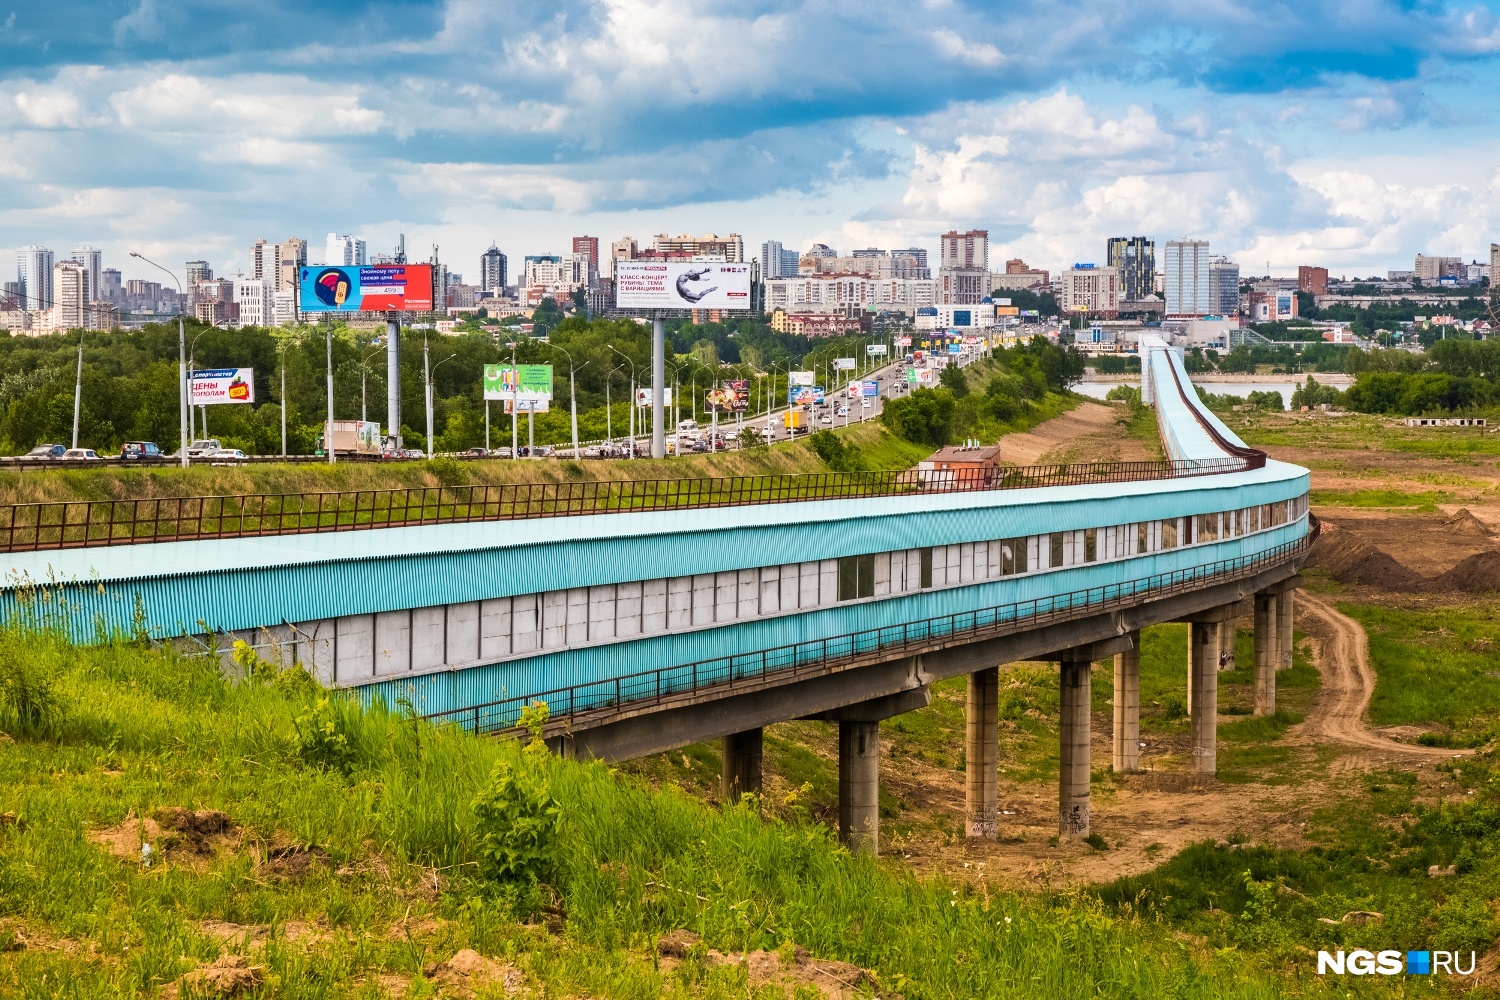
x: 975, y: 53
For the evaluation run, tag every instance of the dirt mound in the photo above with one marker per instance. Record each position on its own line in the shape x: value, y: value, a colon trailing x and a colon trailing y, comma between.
x: 1353, y: 561
x: 168, y: 831
x: 468, y: 972
x: 1466, y: 525
x: 197, y: 830
x: 1477, y: 573
x: 228, y: 976
x: 292, y: 862
x: 787, y: 968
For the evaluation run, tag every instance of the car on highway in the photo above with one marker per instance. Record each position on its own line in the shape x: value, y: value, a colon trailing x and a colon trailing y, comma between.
x: 135, y: 450
x: 44, y: 453
x: 768, y: 432
x: 228, y: 456
x: 826, y: 418
x: 80, y: 455
x: 204, y: 448
x: 842, y: 411
x: 413, y: 453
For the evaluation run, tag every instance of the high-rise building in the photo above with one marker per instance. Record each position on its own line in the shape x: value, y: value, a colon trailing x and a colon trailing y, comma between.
x: 265, y: 263
x: 344, y: 251
x: 1223, y: 287
x: 910, y: 263
x: 92, y: 259
x: 770, y: 259
x: 964, y: 267
x: 1435, y: 269
x: 624, y: 248
x: 198, y: 270
x: 1091, y: 290
x: 731, y: 247
x: 256, y: 297
x: 1312, y: 280
x: 868, y: 252
x: 70, y: 285
x: 1134, y: 257
x: 588, y: 246
x: 492, y: 271
x: 109, y: 286
x: 34, y: 272
x: 1495, y: 272
x: 1185, y: 278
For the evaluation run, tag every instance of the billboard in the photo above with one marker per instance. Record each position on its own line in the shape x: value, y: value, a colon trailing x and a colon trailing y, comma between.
x: 524, y: 405
x: 376, y: 288
x: 222, y: 385
x: 800, y: 378
x: 903, y: 341
x: 875, y: 350
x: 804, y: 395
x: 729, y: 397
x: 955, y: 348
x: 869, y: 388
x: 523, y: 382
x: 681, y: 284
x: 843, y: 364
x: 643, y: 396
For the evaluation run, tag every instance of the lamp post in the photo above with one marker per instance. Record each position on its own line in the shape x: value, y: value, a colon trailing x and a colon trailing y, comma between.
x: 328, y: 433
x: 609, y: 413
x: 427, y: 377
x: 78, y: 389
x: 572, y: 396
x: 182, y: 398
x: 192, y: 367
x: 364, y: 370
x: 631, y: 411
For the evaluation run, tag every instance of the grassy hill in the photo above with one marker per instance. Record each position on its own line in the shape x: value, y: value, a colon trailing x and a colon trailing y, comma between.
x: 301, y: 847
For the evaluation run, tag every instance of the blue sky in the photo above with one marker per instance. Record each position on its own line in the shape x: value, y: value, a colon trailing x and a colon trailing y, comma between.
x: 1350, y: 133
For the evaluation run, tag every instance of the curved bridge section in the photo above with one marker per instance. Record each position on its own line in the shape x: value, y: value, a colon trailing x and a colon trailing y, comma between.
x: 653, y: 615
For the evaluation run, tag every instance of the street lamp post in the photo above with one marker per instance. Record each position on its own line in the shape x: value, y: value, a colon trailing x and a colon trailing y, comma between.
x: 328, y: 434
x: 192, y: 367
x: 427, y: 377
x: 572, y: 396
x: 609, y: 413
x: 631, y: 411
x: 78, y: 389
x: 182, y: 399
x: 364, y: 370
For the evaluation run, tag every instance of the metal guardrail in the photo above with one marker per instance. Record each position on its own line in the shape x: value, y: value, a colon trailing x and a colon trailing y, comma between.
x: 599, y: 700
x: 90, y: 523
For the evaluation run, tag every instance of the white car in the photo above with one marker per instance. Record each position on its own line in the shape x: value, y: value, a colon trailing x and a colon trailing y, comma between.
x: 227, y: 456
x: 842, y: 411
x: 80, y: 455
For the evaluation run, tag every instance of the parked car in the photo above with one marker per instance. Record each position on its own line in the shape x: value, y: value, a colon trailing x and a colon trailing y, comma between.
x: 204, y: 448
x: 476, y: 453
x: 592, y: 451
x: 80, y: 455
x: 44, y: 453
x: 413, y: 453
x: 543, y: 451
x: 140, y: 449
x: 228, y: 456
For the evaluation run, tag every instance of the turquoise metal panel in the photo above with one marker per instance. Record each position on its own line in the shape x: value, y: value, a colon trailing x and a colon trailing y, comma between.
x: 518, y: 678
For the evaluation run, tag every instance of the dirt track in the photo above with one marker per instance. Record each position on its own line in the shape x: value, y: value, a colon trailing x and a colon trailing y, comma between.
x: 1348, y: 681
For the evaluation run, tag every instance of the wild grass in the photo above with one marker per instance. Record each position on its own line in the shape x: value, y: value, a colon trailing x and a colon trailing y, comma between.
x: 139, y: 729
x: 1434, y: 668
x: 1425, y: 502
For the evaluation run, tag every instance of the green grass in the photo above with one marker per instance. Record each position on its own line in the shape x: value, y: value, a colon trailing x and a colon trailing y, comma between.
x: 138, y: 729
x: 1438, y: 669
x: 1422, y: 502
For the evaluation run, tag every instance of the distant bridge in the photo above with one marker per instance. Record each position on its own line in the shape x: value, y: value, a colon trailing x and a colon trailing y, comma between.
x: 652, y: 615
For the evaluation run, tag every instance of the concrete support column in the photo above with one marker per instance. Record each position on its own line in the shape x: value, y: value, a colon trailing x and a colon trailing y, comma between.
x: 740, y: 772
x: 1127, y: 748
x: 1266, y: 653
x: 859, y: 786
x: 1073, y: 762
x: 1284, y: 614
x: 1203, y: 687
x: 1227, y: 632
x: 982, y: 753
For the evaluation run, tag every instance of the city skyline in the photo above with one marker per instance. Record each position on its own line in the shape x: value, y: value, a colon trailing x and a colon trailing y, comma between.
x: 1344, y: 135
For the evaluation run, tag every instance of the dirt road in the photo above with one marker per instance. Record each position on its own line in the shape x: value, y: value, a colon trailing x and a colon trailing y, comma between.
x: 1089, y: 432
x: 1348, y: 681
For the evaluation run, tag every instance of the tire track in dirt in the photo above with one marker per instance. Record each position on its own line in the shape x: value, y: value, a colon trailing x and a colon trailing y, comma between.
x: 1338, y: 714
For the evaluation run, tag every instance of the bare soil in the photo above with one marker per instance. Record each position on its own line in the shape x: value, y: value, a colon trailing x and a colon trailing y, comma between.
x: 1089, y: 432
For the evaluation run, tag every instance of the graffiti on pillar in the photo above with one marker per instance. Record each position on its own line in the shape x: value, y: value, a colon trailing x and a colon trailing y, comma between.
x: 1075, y: 820
x: 984, y: 823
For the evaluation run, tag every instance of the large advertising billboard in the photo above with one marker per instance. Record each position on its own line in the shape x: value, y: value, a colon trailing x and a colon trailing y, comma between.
x: 729, y: 397
x: 801, y: 378
x: 208, y: 386
x: 521, y: 382
x: 643, y: 397
x: 681, y: 284
x: 869, y: 389
x: 374, y: 288
x: 875, y: 350
x: 843, y: 364
x: 804, y: 395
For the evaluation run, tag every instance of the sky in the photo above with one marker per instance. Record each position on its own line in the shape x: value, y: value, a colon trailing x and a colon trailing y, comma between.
x: 1347, y: 133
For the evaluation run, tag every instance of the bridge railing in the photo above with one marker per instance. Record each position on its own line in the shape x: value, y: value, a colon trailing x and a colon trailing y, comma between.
x: 87, y: 523
x: 784, y: 664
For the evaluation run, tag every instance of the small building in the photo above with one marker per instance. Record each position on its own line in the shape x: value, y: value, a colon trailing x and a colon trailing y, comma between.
x: 970, y: 464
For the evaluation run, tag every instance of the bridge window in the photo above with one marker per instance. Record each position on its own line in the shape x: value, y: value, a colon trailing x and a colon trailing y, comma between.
x: 1055, y: 555
x: 1142, y: 538
x: 1012, y: 556
x: 926, y: 568
x: 1208, y: 527
x: 1090, y: 544
x: 856, y: 577
x: 1169, y: 533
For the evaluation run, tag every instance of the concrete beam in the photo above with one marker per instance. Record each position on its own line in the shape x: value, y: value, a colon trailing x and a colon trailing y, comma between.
x: 1266, y: 657
x: 1074, y: 739
x: 1224, y: 613
x: 1203, y: 688
x: 1286, y: 603
x: 982, y: 754
x: 878, y: 709
x: 859, y: 786
x: 1096, y: 651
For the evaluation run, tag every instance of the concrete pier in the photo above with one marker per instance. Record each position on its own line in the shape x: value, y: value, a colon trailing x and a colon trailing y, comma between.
x: 1203, y: 655
x: 740, y: 772
x: 859, y: 786
x: 1285, y: 611
x: 1267, y: 656
x: 1073, y: 763
x: 1228, y: 631
x: 1127, y: 735
x: 982, y: 753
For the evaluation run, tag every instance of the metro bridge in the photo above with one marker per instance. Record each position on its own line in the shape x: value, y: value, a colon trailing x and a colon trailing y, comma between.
x: 651, y: 615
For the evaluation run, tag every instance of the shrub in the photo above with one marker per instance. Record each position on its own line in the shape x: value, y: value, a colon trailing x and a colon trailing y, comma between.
x: 30, y: 703
x: 324, y: 729
x: 924, y: 417
x: 839, y: 456
x: 516, y: 817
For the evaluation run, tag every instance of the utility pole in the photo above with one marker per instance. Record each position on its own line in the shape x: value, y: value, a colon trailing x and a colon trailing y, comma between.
x: 328, y: 436
x: 283, y: 400
x: 182, y: 388
x: 658, y: 386
x: 78, y: 389
x: 393, y: 373
x: 515, y: 403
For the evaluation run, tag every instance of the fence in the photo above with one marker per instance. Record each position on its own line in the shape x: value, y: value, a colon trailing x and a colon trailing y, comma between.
x: 88, y: 523
x: 785, y: 664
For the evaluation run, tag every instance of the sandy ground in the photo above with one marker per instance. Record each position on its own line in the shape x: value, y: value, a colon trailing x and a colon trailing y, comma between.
x: 1088, y: 432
